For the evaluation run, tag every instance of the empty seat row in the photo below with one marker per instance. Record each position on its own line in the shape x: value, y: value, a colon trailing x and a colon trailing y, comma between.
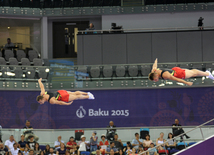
x: 24, y: 72
x: 20, y: 54
x: 19, y: 72
x: 117, y: 71
x: 134, y: 70
x: 24, y: 61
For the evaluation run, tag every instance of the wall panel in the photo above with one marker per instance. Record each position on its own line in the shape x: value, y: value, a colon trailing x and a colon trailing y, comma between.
x: 208, y: 45
x: 164, y: 47
x: 189, y: 46
x: 139, y: 48
x: 114, y: 48
x: 80, y: 50
x: 92, y: 49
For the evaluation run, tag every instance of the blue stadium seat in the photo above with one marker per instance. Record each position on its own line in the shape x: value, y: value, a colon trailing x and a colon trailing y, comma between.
x: 144, y: 129
x: 181, y: 145
x: 191, y: 143
x: 85, y: 153
x: 173, y: 151
x: 144, y: 132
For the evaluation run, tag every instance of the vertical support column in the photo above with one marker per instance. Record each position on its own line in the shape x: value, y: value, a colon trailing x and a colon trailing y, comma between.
x: 44, y: 37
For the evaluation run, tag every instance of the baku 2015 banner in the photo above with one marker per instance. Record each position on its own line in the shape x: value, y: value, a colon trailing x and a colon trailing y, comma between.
x: 127, y: 108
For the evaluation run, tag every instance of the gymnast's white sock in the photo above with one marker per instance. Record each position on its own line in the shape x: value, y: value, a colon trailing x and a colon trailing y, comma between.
x: 210, y: 75
x: 91, y: 96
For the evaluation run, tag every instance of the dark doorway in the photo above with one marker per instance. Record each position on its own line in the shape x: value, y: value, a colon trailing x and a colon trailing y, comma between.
x: 64, y: 38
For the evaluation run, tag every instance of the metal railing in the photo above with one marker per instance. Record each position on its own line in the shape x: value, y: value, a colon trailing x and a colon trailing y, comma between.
x: 118, y: 128
x: 146, y: 29
x: 164, y: 143
x: 48, y: 136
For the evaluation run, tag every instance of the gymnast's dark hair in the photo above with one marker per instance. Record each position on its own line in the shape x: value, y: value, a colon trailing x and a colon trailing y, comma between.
x: 151, y: 76
x: 39, y: 97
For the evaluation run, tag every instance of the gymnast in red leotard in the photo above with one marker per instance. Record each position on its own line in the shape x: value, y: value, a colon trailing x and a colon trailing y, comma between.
x: 176, y: 74
x: 61, y: 97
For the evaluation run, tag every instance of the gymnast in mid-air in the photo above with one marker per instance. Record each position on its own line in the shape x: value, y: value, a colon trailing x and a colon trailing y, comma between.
x: 176, y: 74
x: 61, y: 97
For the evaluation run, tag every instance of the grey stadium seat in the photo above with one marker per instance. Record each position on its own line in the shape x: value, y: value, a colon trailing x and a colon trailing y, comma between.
x: 120, y: 71
x: 8, y: 54
x: 20, y: 54
x: 185, y: 66
x: 95, y: 71
x: 145, y: 70
x: 133, y: 70
x: 4, y: 72
x: 198, y: 66
x: 210, y: 66
x: 107, y: 71
x: 32, y: 54
x: 37, y: 62
x: 18, y: 72
x: 82, y: 71
x: 13, y: 61
x: 25, y: 62
x: 2, y: 61
x: 163, y: 66
x: 30, y: 73
x: 42, y: 73
x: 170, y: 66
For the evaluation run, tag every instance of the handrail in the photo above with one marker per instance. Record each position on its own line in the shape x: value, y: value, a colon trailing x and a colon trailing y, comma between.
x: 160, y: 63
x: 181, y: 135
x: 117, y: 128
x: 148, y: 29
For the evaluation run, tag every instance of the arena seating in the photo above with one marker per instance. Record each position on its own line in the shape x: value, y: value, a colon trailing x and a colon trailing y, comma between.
x: 20, y: 54
x: 134, y: 71
x: 16, y: 67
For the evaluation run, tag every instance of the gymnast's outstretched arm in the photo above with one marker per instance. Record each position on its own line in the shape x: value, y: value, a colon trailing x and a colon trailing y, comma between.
x: 55, y: 101
x: 154, y: 67
x: 41, y: 87
x: 167, y: 75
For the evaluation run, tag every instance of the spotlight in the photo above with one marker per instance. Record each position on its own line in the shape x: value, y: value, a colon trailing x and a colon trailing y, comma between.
x: 10, y: 74
x: 200, y: 23
x: 47, y: 70
x: 30, y: 73
x: 23, y: 75
x: 8, y: 27
x: 0, y: 73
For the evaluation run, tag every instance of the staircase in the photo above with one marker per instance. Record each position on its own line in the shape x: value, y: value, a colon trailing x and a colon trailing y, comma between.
x: 201, y: 148
x: 204, y: 147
